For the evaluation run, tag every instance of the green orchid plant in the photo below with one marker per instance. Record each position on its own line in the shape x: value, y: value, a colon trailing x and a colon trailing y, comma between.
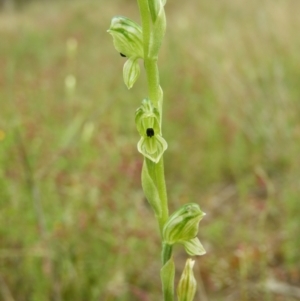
x: 142, y: 42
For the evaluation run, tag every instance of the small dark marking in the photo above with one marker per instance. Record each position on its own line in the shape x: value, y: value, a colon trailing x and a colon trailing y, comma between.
x: 150, y: 132
x: 123, y: 55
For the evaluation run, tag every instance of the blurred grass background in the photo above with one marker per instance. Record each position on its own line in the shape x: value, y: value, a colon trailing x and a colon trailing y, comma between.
x: 74, y: 224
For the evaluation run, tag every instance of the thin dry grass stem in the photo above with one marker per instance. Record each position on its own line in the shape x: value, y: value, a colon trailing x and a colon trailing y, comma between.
x: 38, y: 209
x: 32, y: 185
x: 5, y: 291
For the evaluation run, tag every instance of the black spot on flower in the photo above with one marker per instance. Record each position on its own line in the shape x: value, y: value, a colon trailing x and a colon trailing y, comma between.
x: 123, y: 55
x: 150, y: 132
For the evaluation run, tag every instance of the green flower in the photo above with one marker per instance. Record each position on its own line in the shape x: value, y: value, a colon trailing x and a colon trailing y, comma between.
x: 152, y: 145
x: 182, y: 227
x: 127, y: 36
x: 128, y: 41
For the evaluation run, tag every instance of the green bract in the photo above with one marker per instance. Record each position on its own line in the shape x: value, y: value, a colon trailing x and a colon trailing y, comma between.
x: 187, y: 284
x: 152, y: 145
x: 159, y: 28
x: 128, y: 41
x: 167, y: 275
x: 182, y: 225
x: 154, y: 7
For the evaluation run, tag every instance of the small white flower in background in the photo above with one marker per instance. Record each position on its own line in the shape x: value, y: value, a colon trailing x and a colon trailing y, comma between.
x: 72, y: 46
x: 70, y: 83
x: 87, y: 131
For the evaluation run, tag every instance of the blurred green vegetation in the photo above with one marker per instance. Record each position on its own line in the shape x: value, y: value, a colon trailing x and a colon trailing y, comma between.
x: 74, y: 224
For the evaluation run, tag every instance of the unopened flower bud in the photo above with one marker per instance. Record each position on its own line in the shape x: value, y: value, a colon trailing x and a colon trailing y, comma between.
x: 187, y: 284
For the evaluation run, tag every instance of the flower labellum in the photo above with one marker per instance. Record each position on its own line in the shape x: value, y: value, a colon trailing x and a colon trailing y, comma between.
x: 152, y: 145
x: 194, y: 247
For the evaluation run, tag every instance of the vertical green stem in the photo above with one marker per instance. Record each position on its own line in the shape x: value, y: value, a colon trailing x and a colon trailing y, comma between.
x: 161, y: 185
x: 166, y: 253
x: 156, y: 171
x: 153, y: 80
x: 150, y: 63
x: 146, y: 24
